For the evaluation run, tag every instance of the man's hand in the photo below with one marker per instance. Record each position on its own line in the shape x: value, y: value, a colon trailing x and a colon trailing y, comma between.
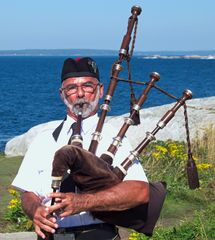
x: 43, y: 221
x: 39, y: 214
x: 66, y: 204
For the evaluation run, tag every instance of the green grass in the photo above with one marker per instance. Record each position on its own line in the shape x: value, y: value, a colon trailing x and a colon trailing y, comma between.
x: 8, y: 170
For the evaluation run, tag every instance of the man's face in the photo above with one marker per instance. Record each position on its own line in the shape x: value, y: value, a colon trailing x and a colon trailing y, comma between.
x: 81, y: 92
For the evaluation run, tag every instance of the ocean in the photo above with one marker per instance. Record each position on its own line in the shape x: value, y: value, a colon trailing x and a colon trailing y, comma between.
x: 30, y: 87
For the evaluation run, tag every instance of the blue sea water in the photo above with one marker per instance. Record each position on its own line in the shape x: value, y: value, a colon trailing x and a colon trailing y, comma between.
x: 30, y: 87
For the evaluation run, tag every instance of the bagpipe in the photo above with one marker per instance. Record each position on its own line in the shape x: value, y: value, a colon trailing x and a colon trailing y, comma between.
x: 91, y: 173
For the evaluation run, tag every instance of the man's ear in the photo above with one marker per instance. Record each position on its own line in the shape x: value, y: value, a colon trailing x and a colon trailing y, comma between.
x: 61, y: 94
x: 101, y: 90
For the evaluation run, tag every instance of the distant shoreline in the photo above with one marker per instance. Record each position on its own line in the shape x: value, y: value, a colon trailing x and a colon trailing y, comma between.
x: 193, y: 57
x: 201, y: 54
x: 208, y: 57
x: 144, y: 57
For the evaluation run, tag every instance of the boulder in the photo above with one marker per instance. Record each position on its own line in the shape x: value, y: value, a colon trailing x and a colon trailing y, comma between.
x: 201, y: 114
x: 18, y: 145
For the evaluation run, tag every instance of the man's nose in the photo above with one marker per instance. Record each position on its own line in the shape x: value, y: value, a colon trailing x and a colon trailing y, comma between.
x: 80, y: 91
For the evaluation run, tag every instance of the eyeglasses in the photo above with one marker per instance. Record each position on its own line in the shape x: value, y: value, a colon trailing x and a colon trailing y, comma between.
x: 87, y: 87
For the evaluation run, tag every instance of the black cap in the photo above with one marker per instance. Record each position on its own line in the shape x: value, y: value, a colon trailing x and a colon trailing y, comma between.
x: 80, y: 67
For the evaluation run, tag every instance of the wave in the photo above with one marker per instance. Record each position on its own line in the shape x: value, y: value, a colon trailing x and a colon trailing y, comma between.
x: 208, y: 57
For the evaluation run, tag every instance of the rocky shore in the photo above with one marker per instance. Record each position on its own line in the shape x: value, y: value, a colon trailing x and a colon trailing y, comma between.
x: 201, y: 113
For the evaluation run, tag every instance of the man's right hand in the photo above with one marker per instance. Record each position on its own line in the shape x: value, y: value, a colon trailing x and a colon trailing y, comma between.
x: 38, y: 213
x: 43, y: 222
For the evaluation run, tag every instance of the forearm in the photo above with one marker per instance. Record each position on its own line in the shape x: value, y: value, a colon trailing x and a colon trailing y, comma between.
x: 30, y: 202
x: 122, y: 196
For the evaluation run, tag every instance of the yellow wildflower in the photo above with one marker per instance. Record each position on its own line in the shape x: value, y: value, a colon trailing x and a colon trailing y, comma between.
x: 173, y: 153
x: 156, y: 155
x: 195, y: 158
x: 161, y: 149
x: 11, y: 206
x: 204, y: 166
x: 12, y: 191
x: 133, y: 236
x: 14, y: 201
x: 172, y: 146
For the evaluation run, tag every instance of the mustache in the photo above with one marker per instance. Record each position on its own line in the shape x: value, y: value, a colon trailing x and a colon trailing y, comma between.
x: 80, y: 102
x: 80, y: 105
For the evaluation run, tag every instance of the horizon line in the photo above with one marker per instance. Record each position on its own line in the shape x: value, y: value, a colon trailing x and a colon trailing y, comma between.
x: 94, y: 49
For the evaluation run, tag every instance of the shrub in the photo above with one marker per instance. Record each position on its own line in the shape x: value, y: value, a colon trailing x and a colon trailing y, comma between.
x: 15, y: 214
x: 166, y: 161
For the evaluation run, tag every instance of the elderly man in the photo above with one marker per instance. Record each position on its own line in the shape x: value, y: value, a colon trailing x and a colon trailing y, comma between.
x: 80, y: 85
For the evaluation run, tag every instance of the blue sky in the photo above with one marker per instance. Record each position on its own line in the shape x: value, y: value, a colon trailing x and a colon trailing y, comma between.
x: 100, y: 24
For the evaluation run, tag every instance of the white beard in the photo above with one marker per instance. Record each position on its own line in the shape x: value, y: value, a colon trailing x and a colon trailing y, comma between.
x: 81, y: 104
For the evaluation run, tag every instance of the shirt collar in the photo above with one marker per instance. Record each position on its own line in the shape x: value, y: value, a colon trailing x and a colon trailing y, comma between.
x: 87, y: 124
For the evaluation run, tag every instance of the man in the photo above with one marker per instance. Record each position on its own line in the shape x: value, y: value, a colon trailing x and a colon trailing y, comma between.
x: 80, y: 85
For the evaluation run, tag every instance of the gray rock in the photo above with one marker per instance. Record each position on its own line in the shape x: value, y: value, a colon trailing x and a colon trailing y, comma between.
x: 201, y: 113
x: 18, y: 145
x: 18, y: 236
x: 32, y: 236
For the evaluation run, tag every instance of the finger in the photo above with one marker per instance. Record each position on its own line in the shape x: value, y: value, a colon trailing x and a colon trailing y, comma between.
x: 65, y: 214
x: 47, y: 215
x: 39, y: 232
x: 43, y: 228
x: 55, y: 207
x: 57, y: 195
x: 58, y: 200
x: 69, y: 210
x: 49, y: 222
x: 53, y: 219
x: 45, y: 212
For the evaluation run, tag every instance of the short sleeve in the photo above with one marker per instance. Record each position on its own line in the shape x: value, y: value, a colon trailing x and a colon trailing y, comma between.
x: 37, y: 160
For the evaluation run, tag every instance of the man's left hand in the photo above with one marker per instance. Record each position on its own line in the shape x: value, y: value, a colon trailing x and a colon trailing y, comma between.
x: 66, y: 204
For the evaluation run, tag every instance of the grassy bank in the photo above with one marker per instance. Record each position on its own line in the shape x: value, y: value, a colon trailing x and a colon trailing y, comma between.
x: 8, y: 170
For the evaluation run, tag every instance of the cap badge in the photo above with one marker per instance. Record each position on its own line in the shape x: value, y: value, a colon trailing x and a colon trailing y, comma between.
x: 93, y: 65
